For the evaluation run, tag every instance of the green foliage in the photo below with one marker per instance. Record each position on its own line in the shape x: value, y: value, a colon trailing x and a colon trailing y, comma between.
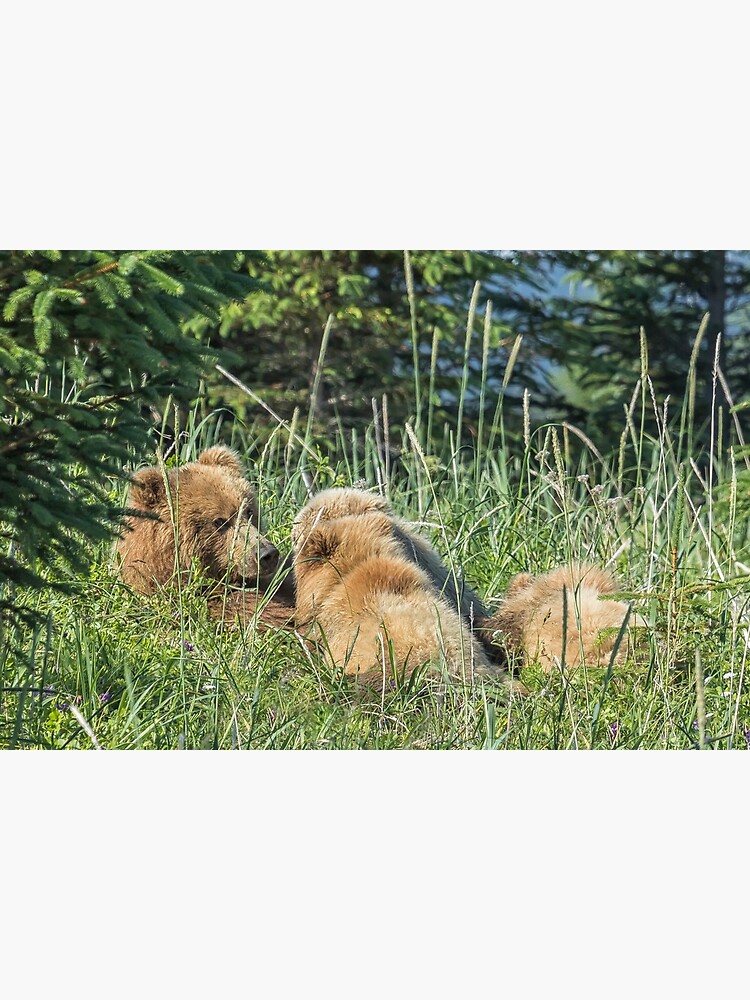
x: 88, y: 340
x: 398, y: 327
x: 667, y: 293
x: 156, y: 673
x: 384, y: 327
x: 104, y: 667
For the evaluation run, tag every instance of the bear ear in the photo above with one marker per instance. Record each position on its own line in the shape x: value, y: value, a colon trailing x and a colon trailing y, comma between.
x: 222, y: 456
x: 322, y: 544
x: 148, y: 489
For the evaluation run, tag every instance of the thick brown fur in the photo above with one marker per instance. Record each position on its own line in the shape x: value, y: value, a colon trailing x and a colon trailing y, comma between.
x: 537, y: 611
x: 373, y: 606
x: 205, y: 511
x: 344, y: 502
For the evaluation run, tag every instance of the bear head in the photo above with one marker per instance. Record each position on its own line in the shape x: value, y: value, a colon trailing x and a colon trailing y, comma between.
x: 333, y: 504
x: 205, y: 510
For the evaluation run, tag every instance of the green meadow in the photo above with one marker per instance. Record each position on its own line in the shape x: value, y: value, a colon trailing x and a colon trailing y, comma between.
x: 105, y: 668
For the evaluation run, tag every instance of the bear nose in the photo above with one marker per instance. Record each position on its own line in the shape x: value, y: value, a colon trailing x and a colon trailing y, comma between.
x: 268, y: 557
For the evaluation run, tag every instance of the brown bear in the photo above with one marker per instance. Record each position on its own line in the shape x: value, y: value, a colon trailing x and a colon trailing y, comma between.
x: 345, y: 501
x: 365, y: 595
x: 205, y: 511
x: 537, y: 612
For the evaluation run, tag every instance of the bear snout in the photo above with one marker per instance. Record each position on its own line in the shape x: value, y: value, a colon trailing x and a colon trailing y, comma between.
x: 268, y: 558
x: 255, y: 561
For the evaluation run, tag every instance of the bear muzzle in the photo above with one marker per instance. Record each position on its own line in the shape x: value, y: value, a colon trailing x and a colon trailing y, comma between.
x: 254, y: 562
x: 268, y: 559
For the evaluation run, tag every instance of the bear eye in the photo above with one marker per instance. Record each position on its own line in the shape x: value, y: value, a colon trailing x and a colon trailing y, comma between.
x: 221, y: 524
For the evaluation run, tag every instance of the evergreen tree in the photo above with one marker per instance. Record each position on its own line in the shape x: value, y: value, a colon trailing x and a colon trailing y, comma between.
x: 87, y: 340
x: 667, y: 293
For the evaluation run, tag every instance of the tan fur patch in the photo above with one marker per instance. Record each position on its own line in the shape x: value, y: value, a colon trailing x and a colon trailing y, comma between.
x: 537, y: 611
x: 372, y: 609
x: 337, y: 502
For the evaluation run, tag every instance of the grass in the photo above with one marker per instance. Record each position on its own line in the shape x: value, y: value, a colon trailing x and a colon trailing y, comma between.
x: 114, y: 670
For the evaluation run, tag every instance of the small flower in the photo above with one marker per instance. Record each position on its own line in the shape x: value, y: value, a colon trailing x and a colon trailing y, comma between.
x: 188, y: 646
x: 695, y: 724
x: 104, y: 698
x: 614, y: 730
x: 746, y: 734
x: 62, y: 706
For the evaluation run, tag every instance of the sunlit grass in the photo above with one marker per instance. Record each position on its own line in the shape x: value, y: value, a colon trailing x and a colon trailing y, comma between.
x: 115, y: 670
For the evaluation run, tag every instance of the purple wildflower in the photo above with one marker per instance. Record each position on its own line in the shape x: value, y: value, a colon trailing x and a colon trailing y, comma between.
x: 746, y: 734
x: 62, y: 706
x: 188, y: 646
x: 614, y: 730
x: 104, y: 698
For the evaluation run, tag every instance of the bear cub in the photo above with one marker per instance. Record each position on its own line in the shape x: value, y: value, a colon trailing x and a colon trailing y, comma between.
x: 205, y: 511
x: 537, y: 613
x: 369, y: 592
